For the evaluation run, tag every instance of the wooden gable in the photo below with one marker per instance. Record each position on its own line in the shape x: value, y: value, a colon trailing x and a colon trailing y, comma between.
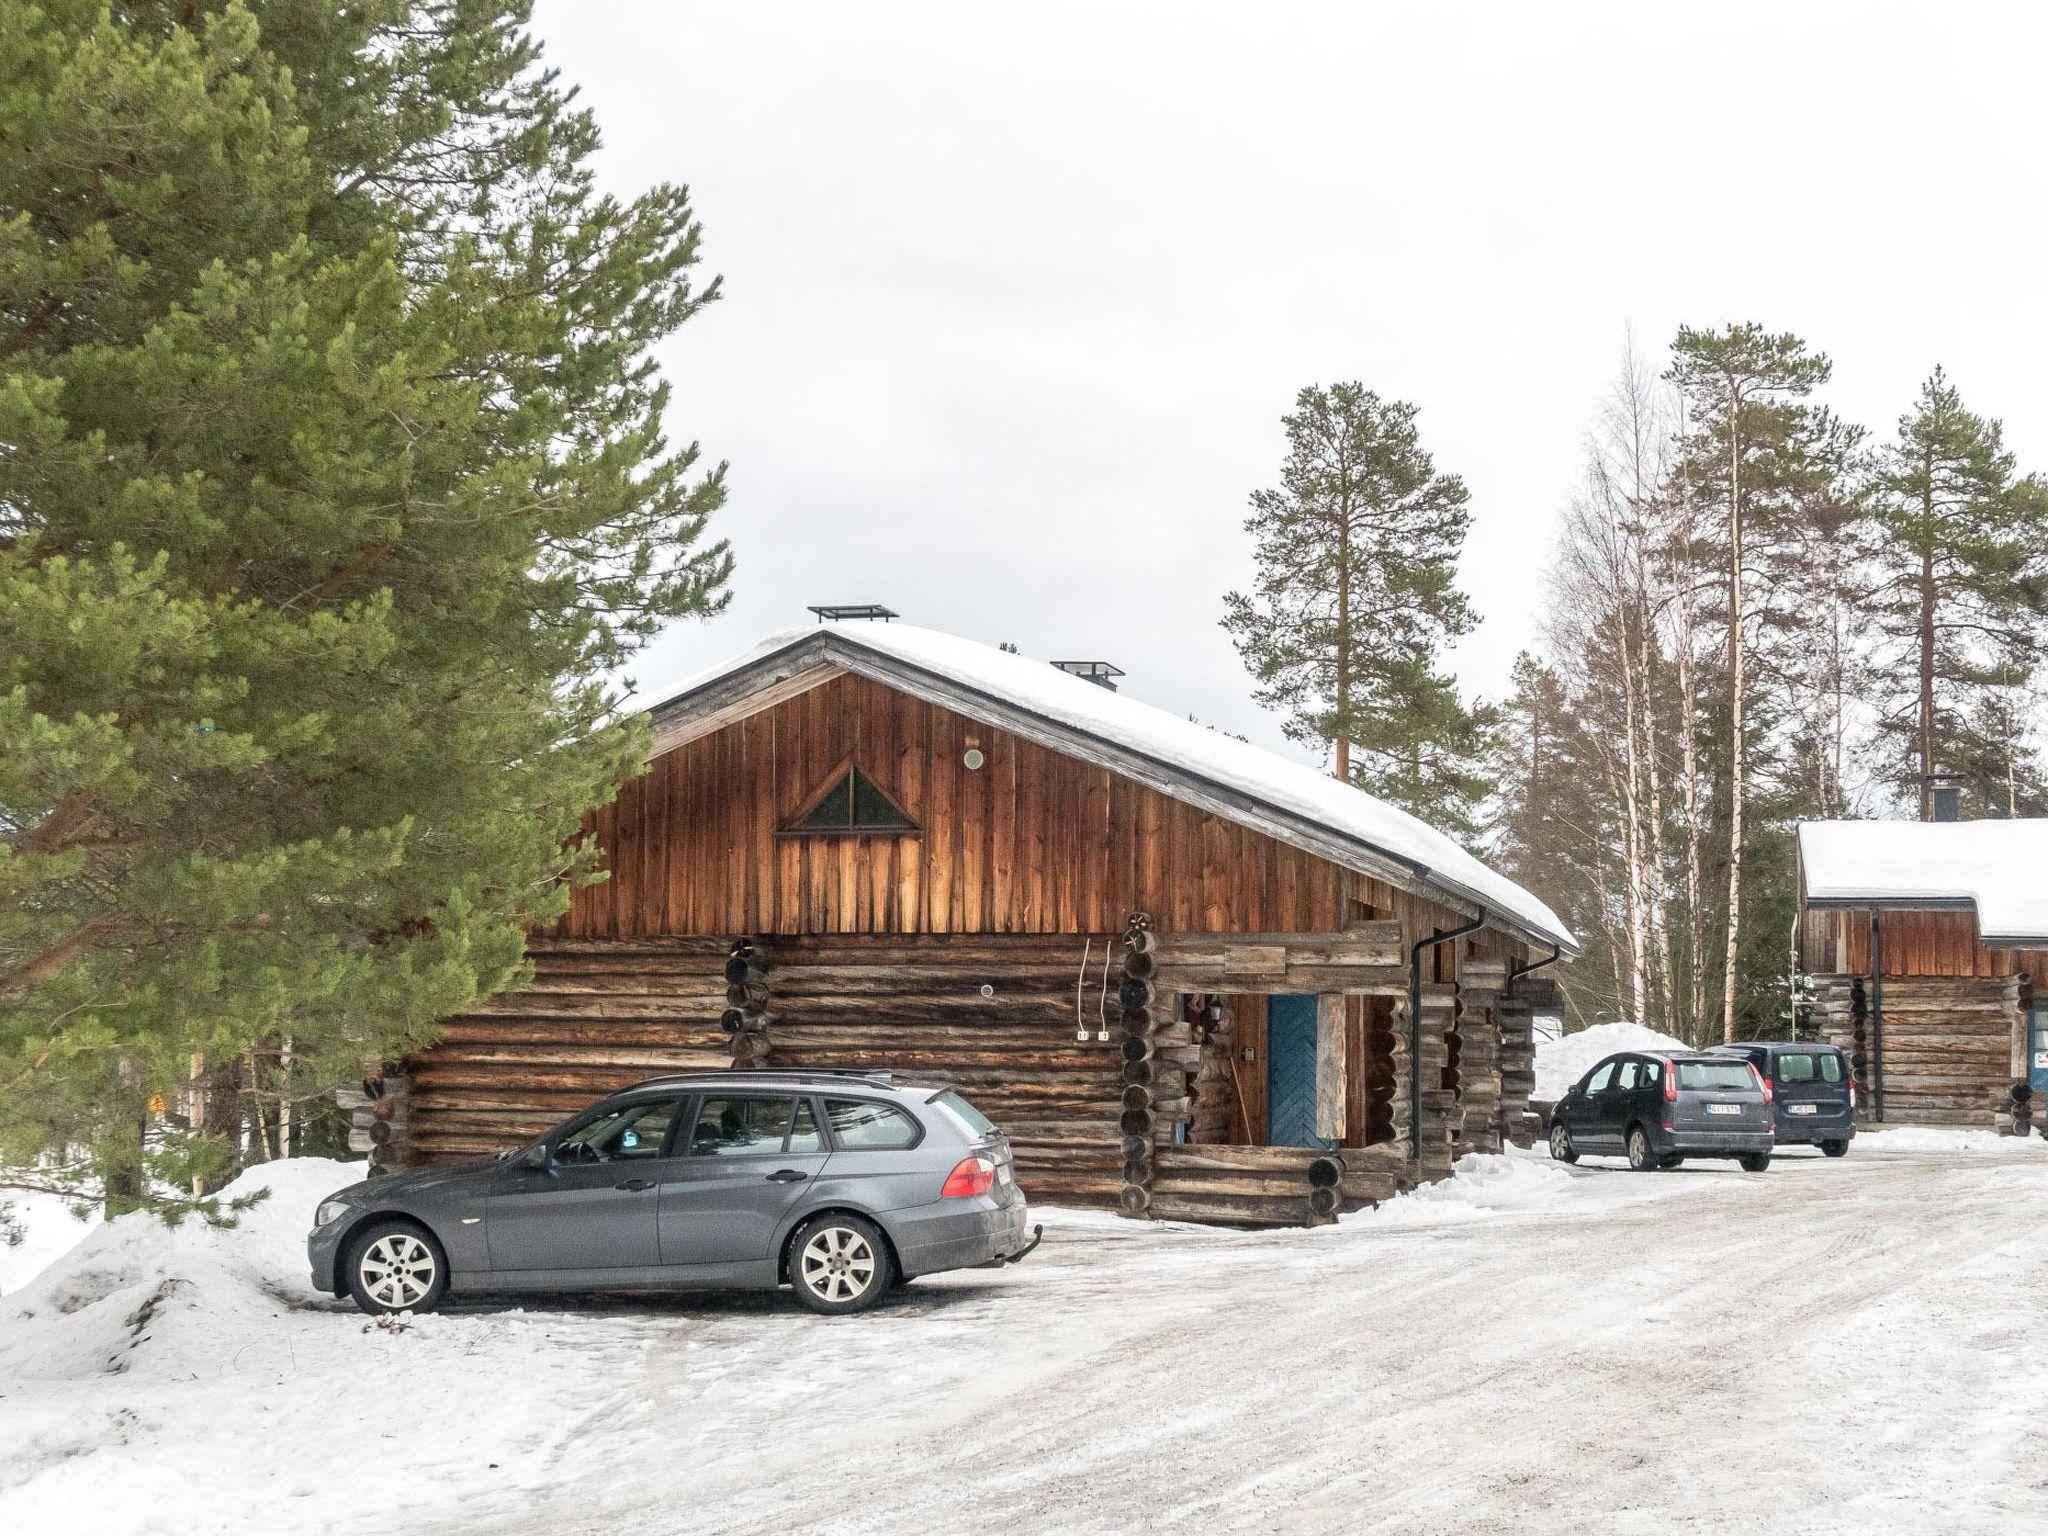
x: 1031, y: 841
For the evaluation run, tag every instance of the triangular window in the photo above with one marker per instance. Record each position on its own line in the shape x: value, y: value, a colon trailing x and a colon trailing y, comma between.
x: 851, y: 803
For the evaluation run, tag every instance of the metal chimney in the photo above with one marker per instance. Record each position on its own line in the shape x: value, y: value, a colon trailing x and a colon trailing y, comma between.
x: 1100, y: 673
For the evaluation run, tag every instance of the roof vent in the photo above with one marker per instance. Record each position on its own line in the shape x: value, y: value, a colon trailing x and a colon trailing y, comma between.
x: 1100, y: 673
x: 832, y: 613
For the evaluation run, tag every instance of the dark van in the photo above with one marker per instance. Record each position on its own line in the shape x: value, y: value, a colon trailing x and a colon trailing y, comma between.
x: 1659, y: 1110
x: 1813, y: 1095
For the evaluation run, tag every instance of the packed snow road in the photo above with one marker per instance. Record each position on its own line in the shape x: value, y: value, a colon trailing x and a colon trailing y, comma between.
x: 1831, y: 1346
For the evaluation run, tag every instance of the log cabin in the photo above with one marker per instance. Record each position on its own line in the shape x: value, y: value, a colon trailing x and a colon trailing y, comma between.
x: 1191, y: 979
x: 1926, y: 949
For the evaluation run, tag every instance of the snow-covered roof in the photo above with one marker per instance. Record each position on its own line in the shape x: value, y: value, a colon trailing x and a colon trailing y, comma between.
x: 1993, y: 866
x: 1166, y: 745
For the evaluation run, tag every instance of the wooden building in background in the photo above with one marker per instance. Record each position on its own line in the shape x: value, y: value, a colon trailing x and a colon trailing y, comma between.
x: 1927, y: 948
x: 1188, y: 977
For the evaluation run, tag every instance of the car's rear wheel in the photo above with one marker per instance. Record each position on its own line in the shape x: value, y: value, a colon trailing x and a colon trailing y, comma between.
x: 1561, y: 1145
x: 840, y: 1263
x: 394, y: 1266
x: 1641, y: 1155
x: 1755, y: 1162
x: 1835, y: 1148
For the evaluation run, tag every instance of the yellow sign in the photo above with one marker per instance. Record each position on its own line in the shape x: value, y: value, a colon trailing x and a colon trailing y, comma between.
x: 156, y: 1103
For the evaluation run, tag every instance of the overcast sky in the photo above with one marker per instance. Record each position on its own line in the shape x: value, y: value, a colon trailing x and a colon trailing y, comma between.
x: 1016, y: 296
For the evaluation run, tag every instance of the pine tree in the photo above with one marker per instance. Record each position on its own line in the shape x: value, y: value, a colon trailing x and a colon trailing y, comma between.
x: 1756, y: 449
x: 1355, y: 599
x: 1960, y: 593
x: 332, y: 478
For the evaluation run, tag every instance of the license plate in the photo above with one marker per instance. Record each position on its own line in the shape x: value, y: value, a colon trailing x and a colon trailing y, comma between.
x: 1805, y: 1109
x: 1724, y: 1109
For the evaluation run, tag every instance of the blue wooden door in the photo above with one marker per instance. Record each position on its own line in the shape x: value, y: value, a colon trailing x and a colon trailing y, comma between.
x: 1291, y: 1072
x: 2037, y: 1057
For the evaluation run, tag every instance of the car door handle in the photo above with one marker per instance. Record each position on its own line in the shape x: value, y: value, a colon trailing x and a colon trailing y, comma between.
x: 635, y: 1184
x: 787, y: 1176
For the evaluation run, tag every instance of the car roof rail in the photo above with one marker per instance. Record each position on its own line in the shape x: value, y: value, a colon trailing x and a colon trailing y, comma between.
x: 878, y: 1078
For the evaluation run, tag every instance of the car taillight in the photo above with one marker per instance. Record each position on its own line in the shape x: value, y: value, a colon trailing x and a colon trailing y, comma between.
x: 1762, y: 1087
x: 970, y: 1176
x: 1852, y: 1094
x: 1670, y: 1083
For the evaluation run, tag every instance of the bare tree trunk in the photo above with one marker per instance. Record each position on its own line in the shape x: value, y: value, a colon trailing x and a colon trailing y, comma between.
x: 1736, y: 776
x: 1926, y: 637
x: 1343, y: 763
x: 284, y: 1098
x: 1685, y: 650
x: 259, y: 1122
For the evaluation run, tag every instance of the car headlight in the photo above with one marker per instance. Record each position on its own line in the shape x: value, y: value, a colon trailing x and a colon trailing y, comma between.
x: 330, y: 1210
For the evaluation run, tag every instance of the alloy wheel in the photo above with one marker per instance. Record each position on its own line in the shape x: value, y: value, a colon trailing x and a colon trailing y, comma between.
x: 1560, y: 1144
x: 397, y: 1271
x: 837, y: 1264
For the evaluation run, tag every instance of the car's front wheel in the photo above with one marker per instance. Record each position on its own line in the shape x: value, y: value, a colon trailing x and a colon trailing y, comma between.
x: 1755, y: 1162
x: 1641, y: 1155
x: 394, y: 1266
x: 1561, y: 1145
x: 840, y: 1263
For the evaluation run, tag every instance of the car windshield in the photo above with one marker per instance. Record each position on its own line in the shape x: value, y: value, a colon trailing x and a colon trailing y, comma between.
x: 1715, y: 1074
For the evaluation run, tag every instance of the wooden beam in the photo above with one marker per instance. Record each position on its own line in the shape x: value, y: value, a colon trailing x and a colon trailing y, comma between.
x: 1330, y: 1066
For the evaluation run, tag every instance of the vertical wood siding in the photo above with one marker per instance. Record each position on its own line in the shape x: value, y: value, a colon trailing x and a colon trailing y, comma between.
x: 1033, y: 842
x: 1915, y: 944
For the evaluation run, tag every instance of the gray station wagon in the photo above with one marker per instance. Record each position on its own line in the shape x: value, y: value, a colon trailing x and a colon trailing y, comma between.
x: 838, y: 1185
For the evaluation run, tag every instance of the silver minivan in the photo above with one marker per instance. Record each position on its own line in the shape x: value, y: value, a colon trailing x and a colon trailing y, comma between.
x: 839, y: 1185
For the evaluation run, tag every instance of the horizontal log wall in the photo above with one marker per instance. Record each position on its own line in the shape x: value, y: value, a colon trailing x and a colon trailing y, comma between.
x: 596, y: 1017
x: 1271, y: 1186
x: 1944, y: 1053
x: 917, y: 1006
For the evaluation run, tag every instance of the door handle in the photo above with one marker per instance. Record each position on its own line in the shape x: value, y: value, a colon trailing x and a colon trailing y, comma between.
x: 635, y: 1184
x: 787, y: 1176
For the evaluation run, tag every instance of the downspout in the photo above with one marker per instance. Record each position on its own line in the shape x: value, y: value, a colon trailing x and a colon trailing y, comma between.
x: 1517, y: 970
x: 1437, y: 936
x: 1876, y: 1016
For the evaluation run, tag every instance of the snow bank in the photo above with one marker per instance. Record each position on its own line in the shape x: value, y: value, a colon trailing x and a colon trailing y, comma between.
x: 136, y: 1294
x: 1486, y: 1185
x: 1562, y: 1062
x: 1952, y: 1141
x: 49, y: 1231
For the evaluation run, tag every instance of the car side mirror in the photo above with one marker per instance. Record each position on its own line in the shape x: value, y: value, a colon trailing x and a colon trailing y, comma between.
x: 535, y: 1157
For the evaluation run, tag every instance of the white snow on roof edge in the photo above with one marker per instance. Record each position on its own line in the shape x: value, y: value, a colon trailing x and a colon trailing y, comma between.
x: 1992, y: 865
x: 1287, y: 786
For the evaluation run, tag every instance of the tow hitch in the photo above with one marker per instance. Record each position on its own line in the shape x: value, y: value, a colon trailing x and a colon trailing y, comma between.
x: 1037, y: 1237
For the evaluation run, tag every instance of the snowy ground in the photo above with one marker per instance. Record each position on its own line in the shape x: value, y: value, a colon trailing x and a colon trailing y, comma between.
x: 1833, y: 1346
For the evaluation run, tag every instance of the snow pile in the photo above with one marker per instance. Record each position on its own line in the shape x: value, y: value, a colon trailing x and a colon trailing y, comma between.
x: 1562, y: 1062
x: 49, y: 1230
x: 1485, y: 1185
x: 136, y: 1294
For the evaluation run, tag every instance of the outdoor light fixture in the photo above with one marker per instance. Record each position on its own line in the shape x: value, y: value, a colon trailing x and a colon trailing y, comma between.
x: 973, y: 757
